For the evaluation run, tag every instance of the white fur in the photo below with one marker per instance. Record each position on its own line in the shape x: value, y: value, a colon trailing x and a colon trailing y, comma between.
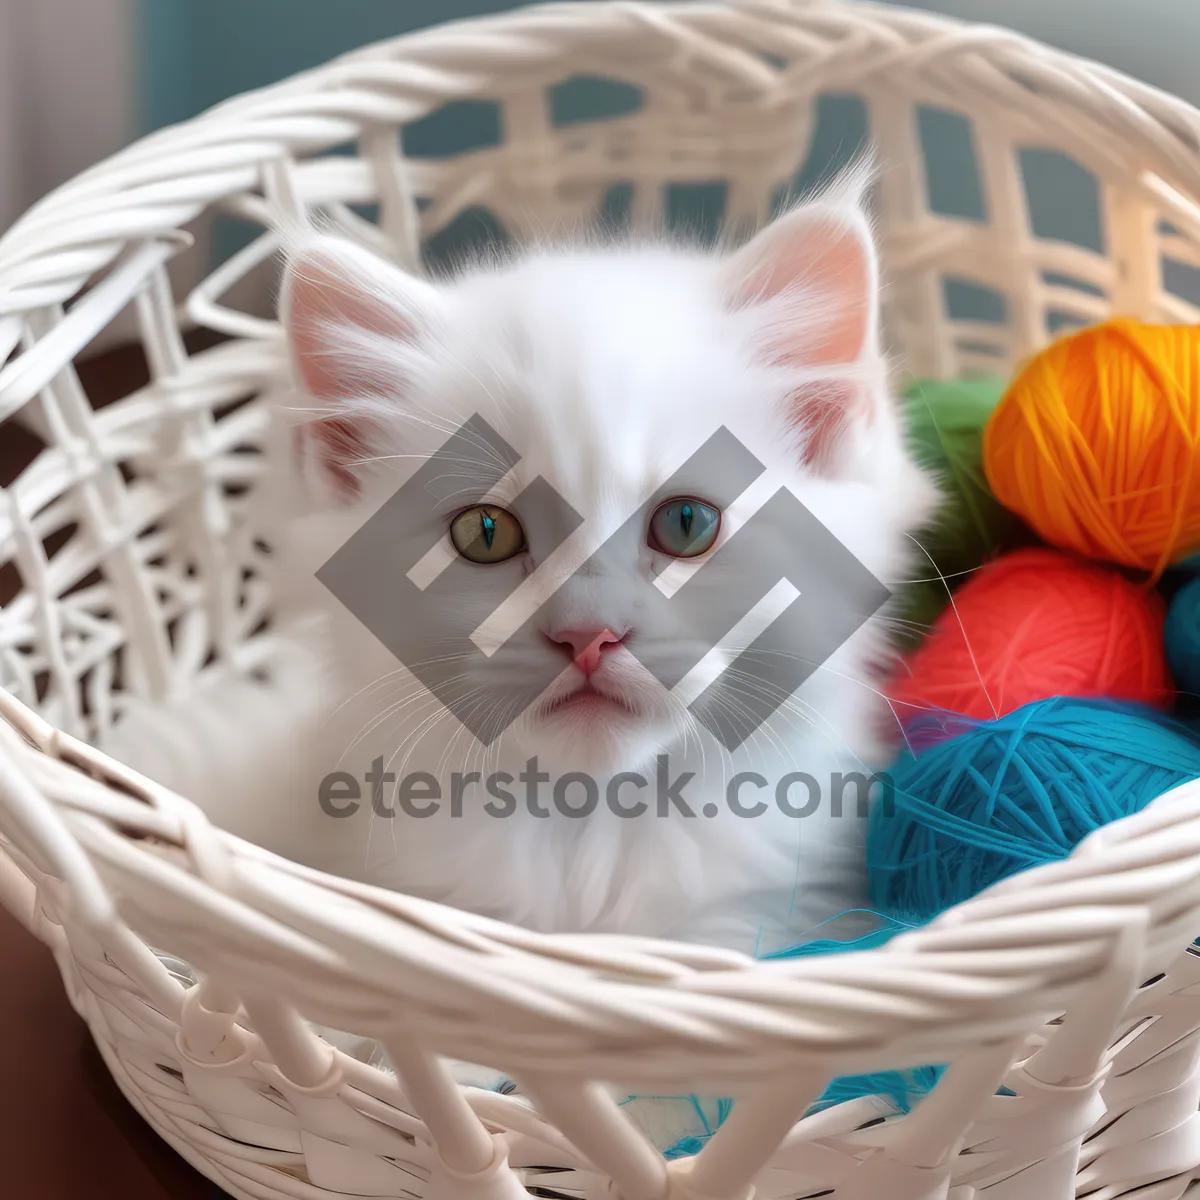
x: 606, y: 367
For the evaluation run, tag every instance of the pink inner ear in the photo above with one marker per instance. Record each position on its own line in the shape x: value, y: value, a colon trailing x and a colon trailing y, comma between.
x: 338, y: 443
x: 823, y: 417
x: 334, y: 310
x: 826, y: 265
x: 329, y: 302
x: 813, y: 272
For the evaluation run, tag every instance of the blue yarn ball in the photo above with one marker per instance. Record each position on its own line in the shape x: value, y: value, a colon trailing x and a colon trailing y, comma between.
x: 1014, y: 793
x: 1182, y: 635
x: 995, y: 799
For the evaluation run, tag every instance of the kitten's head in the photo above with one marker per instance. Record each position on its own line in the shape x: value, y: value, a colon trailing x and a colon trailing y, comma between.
x: 603, y: 371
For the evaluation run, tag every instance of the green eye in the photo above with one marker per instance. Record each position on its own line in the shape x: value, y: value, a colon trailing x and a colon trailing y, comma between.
x: 684, y: 528
x: 487, y: 534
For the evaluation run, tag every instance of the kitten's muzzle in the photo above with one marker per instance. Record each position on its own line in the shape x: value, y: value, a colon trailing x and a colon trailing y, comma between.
x: 586, y: 648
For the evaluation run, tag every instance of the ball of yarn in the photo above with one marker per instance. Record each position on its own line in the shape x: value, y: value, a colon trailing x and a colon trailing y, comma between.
x: 1037, y: 623
x: 1182, y: 637
x: 945, y: 423
x: 1096, y: 444
x: 1014, y: 793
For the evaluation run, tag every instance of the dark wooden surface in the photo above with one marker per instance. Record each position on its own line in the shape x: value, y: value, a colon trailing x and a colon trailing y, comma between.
x: 66, y: 1132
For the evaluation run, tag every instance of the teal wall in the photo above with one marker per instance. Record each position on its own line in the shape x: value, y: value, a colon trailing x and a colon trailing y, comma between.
x: 197, y: 52
x: 1154, y: 40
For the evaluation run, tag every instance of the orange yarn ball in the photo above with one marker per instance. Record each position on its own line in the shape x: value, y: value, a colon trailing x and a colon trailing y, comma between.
x: 1034, y: 624
x: 1096, y: 444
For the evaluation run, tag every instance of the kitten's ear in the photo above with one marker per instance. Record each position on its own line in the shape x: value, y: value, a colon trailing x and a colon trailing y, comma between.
x: 816, y: 267
x: 810, y: 284
x: 354, y: 324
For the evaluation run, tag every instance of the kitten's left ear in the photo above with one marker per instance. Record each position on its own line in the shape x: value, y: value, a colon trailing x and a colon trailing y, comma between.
x: 355, y: 326
x: 816, y: 269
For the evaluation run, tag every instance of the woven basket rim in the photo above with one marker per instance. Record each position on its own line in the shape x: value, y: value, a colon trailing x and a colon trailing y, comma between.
x: 1013, y: 955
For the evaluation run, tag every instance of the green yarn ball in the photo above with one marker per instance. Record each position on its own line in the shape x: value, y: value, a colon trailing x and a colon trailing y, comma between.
x: 916, y: 607
x: 944, y: 424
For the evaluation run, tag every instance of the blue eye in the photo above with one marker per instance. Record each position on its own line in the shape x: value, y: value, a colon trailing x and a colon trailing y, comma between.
x: 684, y: 528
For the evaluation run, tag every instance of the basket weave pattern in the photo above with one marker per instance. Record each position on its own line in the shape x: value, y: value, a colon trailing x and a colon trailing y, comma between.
x: 133, y: 565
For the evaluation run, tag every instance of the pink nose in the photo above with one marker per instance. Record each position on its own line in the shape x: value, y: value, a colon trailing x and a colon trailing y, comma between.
x: 586, y: 647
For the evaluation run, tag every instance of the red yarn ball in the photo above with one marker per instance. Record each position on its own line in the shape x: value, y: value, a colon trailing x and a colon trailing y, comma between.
x: 1034, y: 624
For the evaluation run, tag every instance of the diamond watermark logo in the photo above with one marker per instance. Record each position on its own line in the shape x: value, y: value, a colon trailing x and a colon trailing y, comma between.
x: 397, y: 576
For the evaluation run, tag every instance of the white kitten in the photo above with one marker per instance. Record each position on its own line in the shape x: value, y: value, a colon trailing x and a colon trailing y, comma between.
x: 603, y: 370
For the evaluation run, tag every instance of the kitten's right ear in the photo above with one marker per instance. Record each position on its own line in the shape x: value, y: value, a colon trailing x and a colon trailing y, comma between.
x: 354, y: 325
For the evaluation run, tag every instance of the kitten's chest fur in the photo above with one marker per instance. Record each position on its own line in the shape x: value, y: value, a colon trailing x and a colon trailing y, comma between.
x: 694, y: 864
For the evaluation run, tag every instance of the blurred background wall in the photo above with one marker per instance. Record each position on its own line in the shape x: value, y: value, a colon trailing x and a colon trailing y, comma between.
x: 69, y: 92
x: 196, y: 52
x: 79, y: 78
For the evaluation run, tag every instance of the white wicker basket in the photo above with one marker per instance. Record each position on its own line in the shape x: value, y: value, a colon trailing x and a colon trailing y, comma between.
x: 133, y: 566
